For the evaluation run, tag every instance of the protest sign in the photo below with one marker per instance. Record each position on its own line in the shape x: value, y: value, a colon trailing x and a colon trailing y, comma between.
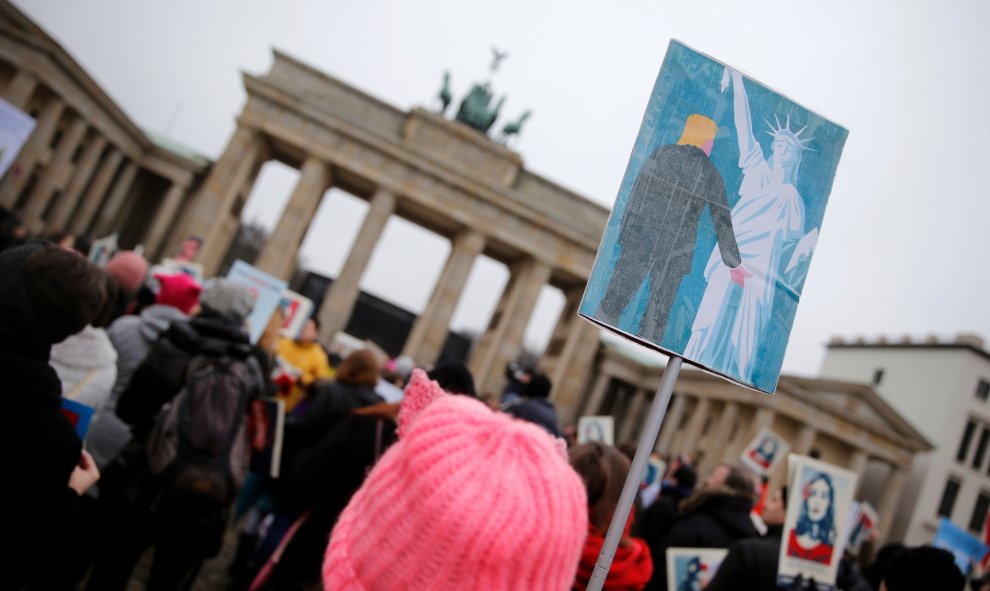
x: 691, y: 569
x: 266, y: 290
x: 864, y: 526
x: 707, y: 248
x: 966, y: 549
x: 600, y: 429
x: 102, y: 250
x: 15, y: 129
x: 176, y: 266
x: 296, y: 310
x: 817, y: 522
x: 79, y: 414
x: 765, y: 452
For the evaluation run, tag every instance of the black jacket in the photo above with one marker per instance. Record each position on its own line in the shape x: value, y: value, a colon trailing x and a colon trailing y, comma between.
x: 711, y: 518
x: 535, y: 410
x: 163, y: 371
x: 750, y: 564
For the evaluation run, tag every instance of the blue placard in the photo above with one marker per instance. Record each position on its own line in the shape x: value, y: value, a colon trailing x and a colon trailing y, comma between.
x: 707, y: 249
x: 965, y: 548
x: 79, y: 414
x: 266, y: 290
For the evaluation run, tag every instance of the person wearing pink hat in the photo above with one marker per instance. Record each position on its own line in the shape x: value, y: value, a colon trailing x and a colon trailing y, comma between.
x: 468, y: 499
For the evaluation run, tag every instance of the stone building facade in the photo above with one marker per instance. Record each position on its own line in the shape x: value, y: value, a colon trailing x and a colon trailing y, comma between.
x: 943, y: 387
x: 86, y: 168
x: 713, y: 420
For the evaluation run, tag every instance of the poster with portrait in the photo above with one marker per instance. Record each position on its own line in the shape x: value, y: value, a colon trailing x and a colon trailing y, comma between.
x: 15, y: 129
x: 600, y: 429
x: 819, y: 503
x: 864, y: 526
x: 175, y: 266
x: 296, y: 309
x: 691, y: 569
x: 765, y: 452
x: 707, y: 248
x: 267, y: 292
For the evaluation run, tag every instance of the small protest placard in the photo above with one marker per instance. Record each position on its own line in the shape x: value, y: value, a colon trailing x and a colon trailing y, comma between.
x: 176, y: 266
x: 296, y: 309
x: 865, y: 522
x: 817, y: 523
x: 267, y: 291
x: 765, y: 452
x: 966, y: 548
x: 79, y: 414
x: 102, y: 250
x: 594, y: 428
x: 15, y: 129
x: 266, y: 428
x: 691, y: 569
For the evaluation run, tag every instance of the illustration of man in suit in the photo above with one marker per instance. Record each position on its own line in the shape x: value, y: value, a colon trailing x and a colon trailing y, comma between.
x: 659, y: 228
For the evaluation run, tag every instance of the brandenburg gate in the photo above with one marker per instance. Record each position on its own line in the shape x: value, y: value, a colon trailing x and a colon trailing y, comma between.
x: 439, y: 174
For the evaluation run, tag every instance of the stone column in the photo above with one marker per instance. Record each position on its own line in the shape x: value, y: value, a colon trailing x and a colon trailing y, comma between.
x: 164, y: 219
x: 692, y: 433
x: 67, y: 201
x: 887, y: 507
x: 670, y: 423
x: 110, y: 212
x: 426, y: 340
x: 502, y: 342
x: 278, y: 257
x: 339, y: 301
x: 19, y: 90
x: 857, y: 465
x: 36, y: 150
x: 96, y: 192
x: 595, y: 399
x: 56, y: 174
x: 805, y: 440
x: 215, y: 199
x: 719, y: 439
x: 634, y: 417
x: 570, y: 354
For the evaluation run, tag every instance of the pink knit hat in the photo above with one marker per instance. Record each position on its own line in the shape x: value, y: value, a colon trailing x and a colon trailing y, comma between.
x: 468, y: 499
x: 179, y: 291
x: 129, y: 269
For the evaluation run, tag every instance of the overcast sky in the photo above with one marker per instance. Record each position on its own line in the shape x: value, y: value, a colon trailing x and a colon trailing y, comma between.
x: 900, y: 246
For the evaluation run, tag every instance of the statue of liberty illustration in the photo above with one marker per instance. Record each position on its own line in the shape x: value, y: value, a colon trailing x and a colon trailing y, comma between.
x: 768, y: 221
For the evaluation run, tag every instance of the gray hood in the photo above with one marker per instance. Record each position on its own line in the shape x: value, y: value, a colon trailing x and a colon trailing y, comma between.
x: 156, y: 319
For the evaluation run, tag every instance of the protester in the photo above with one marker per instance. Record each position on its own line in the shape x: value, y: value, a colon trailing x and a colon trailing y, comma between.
x: 13, y: 232
x: 535, y: 406
x: 305, y: 359
x: 713, y: 517
x: 46, y: 294
x: 874, y: 572
x: 130, y: 270
x: 751, y: 564
x: 86, y: 362
x: 922, y: 568
x: 185, y: 528
x: 658, y: 519
x: 467, y: 499
x: 604, y: 469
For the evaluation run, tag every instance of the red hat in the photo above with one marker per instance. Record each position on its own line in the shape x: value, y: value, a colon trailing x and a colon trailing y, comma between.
x: 179, y: 291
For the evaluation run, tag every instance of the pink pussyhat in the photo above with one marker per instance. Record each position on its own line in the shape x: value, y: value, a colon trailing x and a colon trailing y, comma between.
x: 468, y: 499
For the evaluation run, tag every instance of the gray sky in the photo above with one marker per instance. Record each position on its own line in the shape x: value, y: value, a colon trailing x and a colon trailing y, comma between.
x: 900, y: 243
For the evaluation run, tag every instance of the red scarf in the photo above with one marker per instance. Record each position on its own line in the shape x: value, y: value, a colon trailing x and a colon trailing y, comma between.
x: 632, y: 566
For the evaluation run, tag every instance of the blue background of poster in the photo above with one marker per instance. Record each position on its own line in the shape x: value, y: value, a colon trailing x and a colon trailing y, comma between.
x: 690, y: 83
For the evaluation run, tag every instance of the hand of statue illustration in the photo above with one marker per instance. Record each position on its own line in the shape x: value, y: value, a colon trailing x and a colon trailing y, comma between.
x: 739, y: 275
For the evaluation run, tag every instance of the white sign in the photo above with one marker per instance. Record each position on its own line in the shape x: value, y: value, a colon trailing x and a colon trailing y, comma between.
x: 15, y: 129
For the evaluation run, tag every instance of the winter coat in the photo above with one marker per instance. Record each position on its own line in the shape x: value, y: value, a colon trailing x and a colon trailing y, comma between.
x: 86, y: 364
x: 710, y: 518
x: 40, y: 444
x: 132, y: 337
x: 535, y: 410
x: 750, y: 564
x: 631, y: 565
x: 311, y: 362
x: 658, y: 519
x: 163, y: 372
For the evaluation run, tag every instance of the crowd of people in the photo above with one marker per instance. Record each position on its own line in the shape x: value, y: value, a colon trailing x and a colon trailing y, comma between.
x: 409, y: 482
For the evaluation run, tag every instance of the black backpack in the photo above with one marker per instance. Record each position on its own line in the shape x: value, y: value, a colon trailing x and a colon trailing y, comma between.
x: 198, y: 446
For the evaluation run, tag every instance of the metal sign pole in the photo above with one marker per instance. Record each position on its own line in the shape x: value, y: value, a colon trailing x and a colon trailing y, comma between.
x: 631, y: 488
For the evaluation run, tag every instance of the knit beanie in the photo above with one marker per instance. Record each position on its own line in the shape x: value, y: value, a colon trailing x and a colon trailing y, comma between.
x: 129, y: 269
x: 180, y: 291
x: 228, y: 298
x: 468, y: 499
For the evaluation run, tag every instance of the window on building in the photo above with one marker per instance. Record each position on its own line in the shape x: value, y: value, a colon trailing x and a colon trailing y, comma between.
x: 878, y: 376
x: 981, y: 448
x: 979, y: 517
x: 967, y: 439
x: 948, y: 498
x: 983, y: 390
